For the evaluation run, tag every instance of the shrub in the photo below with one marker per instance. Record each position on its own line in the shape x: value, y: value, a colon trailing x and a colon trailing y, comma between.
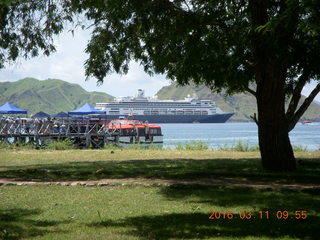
x: 111, y: 146
x: 4, y: 145
x: 179, y: 147
x: 16, y: 145
x: 155, y: 146
x: 196, y: 145
x: 59, y: 145
x: 299, y: 148
x: 239, y: 146
x: 192, y: 145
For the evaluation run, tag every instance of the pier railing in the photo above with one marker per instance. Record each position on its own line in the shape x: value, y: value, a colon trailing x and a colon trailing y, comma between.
x: 39, y: 131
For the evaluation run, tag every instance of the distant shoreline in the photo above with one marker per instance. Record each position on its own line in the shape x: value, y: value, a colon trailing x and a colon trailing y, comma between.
x: 249, y: 121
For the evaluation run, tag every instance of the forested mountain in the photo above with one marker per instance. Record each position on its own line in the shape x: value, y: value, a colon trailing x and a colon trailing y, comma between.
x: 242, y: 104
x: 51, y: 96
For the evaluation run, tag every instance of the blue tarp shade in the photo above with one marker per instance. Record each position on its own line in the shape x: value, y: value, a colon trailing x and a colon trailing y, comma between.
x: 86, y: 109
x: 61, y: 115
x: 41, y: 115
x: 8, y: 108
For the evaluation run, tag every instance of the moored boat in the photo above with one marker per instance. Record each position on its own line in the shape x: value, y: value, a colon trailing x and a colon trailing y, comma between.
x: 189, y: 110
x: 305, y: 122
x: 133, y: 131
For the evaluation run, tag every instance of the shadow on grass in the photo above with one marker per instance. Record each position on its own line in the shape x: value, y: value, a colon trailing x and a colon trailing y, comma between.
x: 195, y: 224
x: 161, y: 168
x: 17, y: 223
x: 273, y: 199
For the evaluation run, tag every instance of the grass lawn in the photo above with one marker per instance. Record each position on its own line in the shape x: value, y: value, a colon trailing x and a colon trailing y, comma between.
x: 155, y: 212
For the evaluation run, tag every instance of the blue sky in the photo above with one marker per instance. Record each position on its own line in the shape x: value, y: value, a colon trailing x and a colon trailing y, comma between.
x: 67, y: 64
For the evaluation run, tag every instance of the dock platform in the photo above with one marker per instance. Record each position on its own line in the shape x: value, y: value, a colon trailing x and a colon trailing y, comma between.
x: 84, y: 133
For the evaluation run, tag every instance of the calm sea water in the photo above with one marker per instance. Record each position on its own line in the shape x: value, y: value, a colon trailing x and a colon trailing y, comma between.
x: 228, y: 134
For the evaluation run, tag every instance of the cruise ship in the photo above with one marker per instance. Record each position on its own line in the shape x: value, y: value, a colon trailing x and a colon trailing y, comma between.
x: 189, y: 110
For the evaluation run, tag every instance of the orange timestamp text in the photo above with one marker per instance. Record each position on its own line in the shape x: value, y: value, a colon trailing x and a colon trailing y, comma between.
x: 246, y: 215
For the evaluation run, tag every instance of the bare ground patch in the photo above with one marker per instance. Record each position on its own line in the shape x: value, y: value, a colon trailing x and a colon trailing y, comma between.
x: 227, y: 182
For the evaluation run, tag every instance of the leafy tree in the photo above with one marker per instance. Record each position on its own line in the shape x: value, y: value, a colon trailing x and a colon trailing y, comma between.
x: 234, y: 44
x: 27, y: 27
x: 272, y: 45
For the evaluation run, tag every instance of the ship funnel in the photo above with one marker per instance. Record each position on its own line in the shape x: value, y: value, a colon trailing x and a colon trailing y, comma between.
x: 140, y: 94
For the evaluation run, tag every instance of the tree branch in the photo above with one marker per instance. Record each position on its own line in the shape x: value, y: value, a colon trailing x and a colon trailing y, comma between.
x: 303, y: 107
x: 296, y: 95
x: 249, y: 90
x: 254, y: 117
x: 199, y: 19
x: 186, y: 3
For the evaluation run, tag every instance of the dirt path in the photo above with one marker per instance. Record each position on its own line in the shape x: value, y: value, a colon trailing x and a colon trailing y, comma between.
x: 158, y: 182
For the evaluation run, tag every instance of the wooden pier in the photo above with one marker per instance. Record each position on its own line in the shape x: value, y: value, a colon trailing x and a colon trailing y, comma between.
x: 83, y: 133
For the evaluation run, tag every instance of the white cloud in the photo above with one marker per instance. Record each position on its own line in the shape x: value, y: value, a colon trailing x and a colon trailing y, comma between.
x: 67, y: 64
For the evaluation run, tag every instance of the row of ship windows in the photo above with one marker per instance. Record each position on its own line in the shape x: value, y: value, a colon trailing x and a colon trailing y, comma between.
x: 164, y: 113
x: 157, y: 105
x: 158, y: 109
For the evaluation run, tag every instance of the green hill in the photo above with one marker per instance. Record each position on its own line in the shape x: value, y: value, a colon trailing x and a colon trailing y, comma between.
x: 243, y: 104
x: 51, y: 96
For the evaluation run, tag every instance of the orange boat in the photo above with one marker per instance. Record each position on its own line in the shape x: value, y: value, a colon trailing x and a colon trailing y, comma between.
x: 133, y: 131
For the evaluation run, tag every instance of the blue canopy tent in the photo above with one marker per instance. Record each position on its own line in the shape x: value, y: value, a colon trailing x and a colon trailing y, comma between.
x: 8, y: 108
x: 61, y: 115
x: 41, y: 115
x: 85, y: 110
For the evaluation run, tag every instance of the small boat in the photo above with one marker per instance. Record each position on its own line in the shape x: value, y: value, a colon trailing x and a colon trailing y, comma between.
x: 133, y: 131
x: 305, y: 122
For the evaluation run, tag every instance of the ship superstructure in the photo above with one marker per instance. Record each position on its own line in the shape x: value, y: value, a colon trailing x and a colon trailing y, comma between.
x: 189, y: 110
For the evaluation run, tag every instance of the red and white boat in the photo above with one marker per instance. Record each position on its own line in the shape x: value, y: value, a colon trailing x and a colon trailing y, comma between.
x: 133, y: 131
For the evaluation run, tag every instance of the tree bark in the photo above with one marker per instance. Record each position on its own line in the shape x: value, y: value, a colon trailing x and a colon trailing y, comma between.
x: 270, y: 76
x: 275, y: 147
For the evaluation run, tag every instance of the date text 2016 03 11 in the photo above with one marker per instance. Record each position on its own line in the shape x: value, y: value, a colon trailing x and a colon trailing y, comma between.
x: 246, y: 215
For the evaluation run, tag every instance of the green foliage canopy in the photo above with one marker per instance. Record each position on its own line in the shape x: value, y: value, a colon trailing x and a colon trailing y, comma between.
x: 219, y: 43
x: 230, y: 44
x: 234, y: 44
x: 27, y: 27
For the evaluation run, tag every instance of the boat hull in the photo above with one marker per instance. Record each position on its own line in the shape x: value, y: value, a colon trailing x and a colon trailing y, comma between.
x: 217, y: 118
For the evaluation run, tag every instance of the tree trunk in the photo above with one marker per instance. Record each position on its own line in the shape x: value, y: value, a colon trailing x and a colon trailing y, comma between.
x: 270, y: 54
x: 275, y: 147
